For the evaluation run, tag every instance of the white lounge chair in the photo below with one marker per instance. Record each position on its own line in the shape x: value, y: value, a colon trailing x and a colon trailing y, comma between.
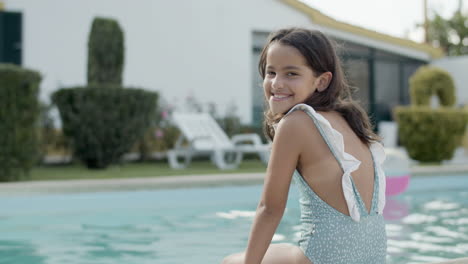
x: 201, y: 135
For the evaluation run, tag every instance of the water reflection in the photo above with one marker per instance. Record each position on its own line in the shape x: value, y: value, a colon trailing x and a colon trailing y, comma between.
x: 19, y: 252
x: 395, y: 209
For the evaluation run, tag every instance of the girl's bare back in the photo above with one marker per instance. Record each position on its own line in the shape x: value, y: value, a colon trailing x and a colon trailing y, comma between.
x: 322, y: 171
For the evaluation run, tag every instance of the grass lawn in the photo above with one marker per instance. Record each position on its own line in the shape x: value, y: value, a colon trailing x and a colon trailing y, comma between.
x: 136, y: 169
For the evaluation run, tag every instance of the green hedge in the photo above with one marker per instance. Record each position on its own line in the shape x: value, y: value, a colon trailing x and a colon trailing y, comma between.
x: 431, y: 135
x: 428, y: 81
x: 19, y: 109
x: 105, y: 52
x: 104, y: 121
x: 465, y: 137
x: 156, y: 139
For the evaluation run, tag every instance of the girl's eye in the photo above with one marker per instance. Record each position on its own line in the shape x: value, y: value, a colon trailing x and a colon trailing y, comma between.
x: 270, y: 73
x: 292, y: 74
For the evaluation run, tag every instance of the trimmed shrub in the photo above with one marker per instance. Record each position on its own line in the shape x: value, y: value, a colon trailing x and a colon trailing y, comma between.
x: 431, y: 135
x: 465, y: 137
x: 105, y: 52
x: 19, y: 109
x: 103, y: 122
x: 428, y: 81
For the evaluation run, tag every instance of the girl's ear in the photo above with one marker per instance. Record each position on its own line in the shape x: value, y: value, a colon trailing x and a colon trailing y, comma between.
x: 324, y: 80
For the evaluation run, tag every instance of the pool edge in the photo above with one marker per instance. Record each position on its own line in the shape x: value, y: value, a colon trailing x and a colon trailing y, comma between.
x: 159, y: 182
x: 162, y: 182
x: 453, y: 261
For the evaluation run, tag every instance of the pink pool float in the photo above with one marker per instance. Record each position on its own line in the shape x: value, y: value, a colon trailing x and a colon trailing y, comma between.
x: 397, y: 171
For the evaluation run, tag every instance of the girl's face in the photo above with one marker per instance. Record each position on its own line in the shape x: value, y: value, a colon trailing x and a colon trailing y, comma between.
x: 288, y: 79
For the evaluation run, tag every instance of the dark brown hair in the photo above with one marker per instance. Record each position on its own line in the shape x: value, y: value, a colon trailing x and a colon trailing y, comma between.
x: 319, y: 53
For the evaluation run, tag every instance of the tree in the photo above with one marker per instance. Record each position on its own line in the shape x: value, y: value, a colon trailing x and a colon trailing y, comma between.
x: 449, y: 34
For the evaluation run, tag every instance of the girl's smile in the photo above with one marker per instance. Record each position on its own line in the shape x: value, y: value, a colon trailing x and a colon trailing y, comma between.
x: 280, y: 97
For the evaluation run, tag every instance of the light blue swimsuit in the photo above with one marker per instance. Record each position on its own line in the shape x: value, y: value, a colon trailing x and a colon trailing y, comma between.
x: 329, y: 236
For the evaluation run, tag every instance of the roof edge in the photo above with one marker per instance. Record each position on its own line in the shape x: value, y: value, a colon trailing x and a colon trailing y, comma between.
x: 324, y: 20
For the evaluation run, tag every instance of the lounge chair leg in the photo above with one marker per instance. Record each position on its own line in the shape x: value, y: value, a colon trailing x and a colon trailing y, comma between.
x: 220, y: 161
x: 264, y: 157
x: 173, y: 156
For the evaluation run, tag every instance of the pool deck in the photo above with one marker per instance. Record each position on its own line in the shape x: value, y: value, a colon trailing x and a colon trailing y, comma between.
x: 162, y: 182
x: 458, y: 166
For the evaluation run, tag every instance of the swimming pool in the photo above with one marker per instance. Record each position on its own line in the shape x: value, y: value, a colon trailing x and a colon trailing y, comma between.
x: 427, y: 223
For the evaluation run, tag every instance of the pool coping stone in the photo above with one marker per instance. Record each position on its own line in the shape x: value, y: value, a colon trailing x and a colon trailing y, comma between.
x: 185, y: 181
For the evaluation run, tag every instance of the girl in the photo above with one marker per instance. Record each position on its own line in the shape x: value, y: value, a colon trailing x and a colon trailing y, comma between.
x: 322, y: 139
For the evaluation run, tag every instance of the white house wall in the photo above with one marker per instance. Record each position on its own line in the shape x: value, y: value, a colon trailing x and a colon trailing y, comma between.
x: 458, y: 68
x: 179, y: 48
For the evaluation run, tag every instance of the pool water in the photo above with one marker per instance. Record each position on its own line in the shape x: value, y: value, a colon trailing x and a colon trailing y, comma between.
x: 427, y: 223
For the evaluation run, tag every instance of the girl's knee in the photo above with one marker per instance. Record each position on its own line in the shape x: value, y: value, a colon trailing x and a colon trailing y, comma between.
x: 233, y: 259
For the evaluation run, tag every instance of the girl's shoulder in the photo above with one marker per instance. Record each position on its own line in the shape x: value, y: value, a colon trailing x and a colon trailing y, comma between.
x: 311, y: 125
x: 297, y: 126
x: 302, y: 113
x: 293, y: 120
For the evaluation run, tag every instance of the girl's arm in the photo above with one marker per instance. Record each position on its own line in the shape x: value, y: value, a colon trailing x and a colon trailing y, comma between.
x: 285, y: 153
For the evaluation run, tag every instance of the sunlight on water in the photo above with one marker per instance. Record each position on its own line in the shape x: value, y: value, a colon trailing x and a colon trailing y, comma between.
x: 233, y: 214
x: 415, y: 219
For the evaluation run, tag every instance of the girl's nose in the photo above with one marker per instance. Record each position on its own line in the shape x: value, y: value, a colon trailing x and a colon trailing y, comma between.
x: 277, y: 83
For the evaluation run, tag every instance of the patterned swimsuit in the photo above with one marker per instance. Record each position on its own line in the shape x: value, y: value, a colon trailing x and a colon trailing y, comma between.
x: 329, y: 236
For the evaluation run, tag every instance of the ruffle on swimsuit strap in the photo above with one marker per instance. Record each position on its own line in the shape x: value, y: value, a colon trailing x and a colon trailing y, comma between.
x: 348, y: 162
x: 378, y: 153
